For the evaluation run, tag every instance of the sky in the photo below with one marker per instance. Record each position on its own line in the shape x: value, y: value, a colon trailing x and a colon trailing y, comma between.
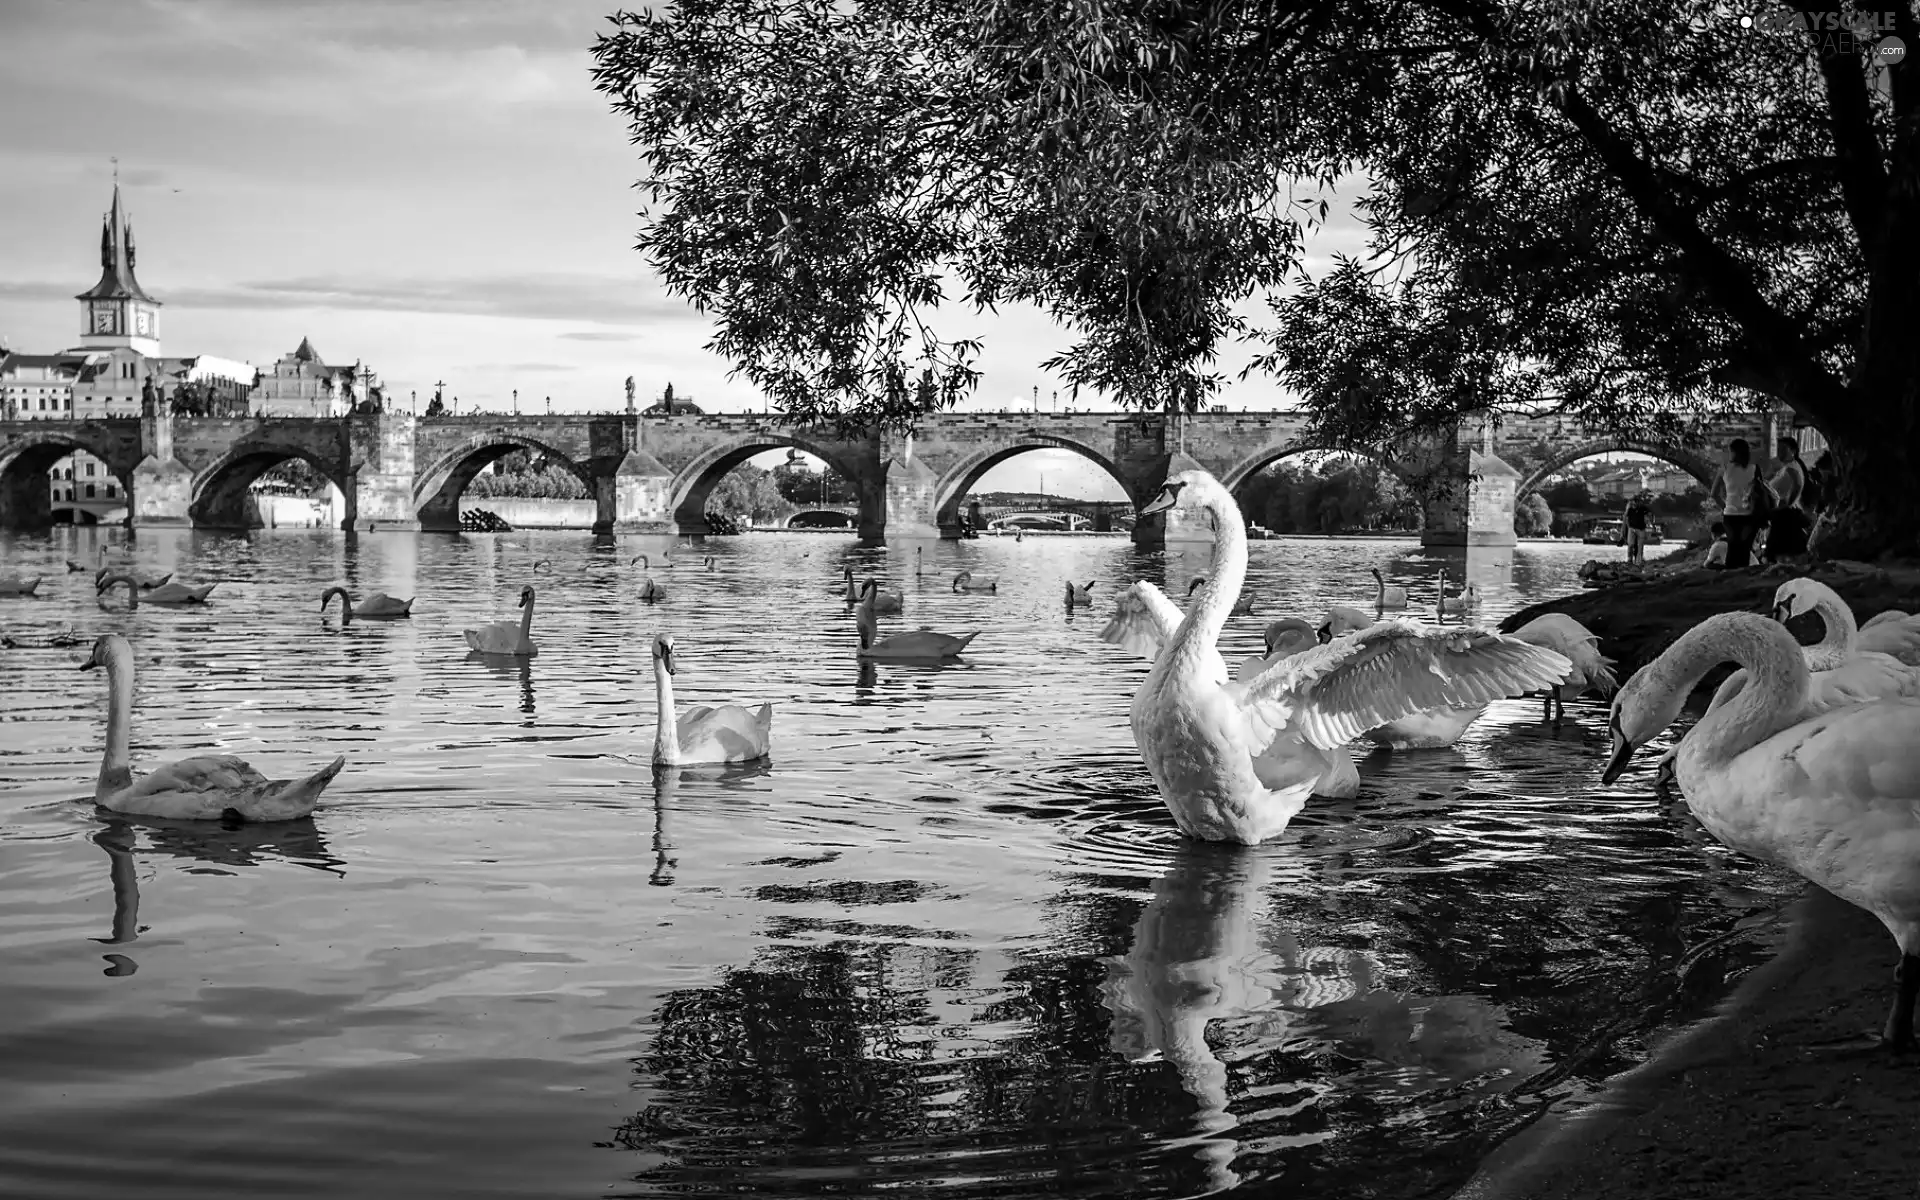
x: 429, y: 187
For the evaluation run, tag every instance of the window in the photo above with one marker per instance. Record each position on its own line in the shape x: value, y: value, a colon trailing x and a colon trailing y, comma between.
x: 89, y: 468
x: 109, y: 491
x: 89, y: 491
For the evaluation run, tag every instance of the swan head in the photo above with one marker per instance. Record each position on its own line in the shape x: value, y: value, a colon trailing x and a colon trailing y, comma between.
x: 1170, y: 493
x: 1195, y: 585
x: 642, y: 560
x: 543, y: 564
x: 962, y: 579
x: 1794, y: 597
x: 1292, y: 635
x: 1342, y: 620
x: 106, y: 648
x: 663, y: 651
x: 1377, y: 577
x: 526, y: 596
x: 1641, y: 709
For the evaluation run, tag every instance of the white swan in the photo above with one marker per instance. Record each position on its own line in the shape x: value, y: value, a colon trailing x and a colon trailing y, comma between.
x: 166, y: 593
x: 1591, y: 670
x: 146, y: 585
x: 207, y: 787
x: 507, y: 637
x: 1235, y: 762
x: 921, y: 645
x: 1284, y: 638
x: 1080, y: 594
x: 1833, y: 797
x: 967, y: 581
x: 1898, y: 636
x: 377, y: 607
x: 1468, y: 599
x: 704, y: 733
x: 651, y: 591
x: 666, y: 562
x: 1385, y: 597
x: 882, y: 600
x: 1434, y: 729
x: 1242, y: 604
x: 709, y: 561
x: 13, y: 585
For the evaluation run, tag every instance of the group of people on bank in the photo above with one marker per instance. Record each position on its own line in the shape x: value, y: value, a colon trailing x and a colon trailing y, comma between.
x: 1782, y: 505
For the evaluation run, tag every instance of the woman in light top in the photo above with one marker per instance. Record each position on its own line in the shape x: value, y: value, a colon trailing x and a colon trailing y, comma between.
x: 1787, y: 531
x: 1734, y: 492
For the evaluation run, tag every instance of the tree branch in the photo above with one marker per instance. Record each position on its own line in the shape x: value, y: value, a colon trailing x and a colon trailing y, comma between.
x: 1862, y: 170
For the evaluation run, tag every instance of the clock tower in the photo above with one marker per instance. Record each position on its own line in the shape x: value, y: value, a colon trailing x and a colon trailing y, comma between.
x: 117, y: 313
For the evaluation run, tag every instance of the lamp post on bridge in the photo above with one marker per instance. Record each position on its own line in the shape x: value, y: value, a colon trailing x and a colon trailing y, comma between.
x: 516, y: 402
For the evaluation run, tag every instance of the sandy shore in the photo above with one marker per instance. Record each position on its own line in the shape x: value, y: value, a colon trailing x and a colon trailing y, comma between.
x: 1745, y: 1105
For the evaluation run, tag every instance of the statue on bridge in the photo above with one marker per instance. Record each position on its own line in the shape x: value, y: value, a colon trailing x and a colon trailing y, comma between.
x: 629, y: 393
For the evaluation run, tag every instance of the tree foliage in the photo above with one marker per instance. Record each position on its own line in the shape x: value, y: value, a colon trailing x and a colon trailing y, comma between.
x: 749, y: 491
x: 1614, y: 211
x: 1337, y: 495
x: 1532, y: 517
x: 517, y: 474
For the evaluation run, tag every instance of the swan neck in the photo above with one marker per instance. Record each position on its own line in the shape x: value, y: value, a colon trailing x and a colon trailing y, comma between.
x: 1213, y: 604
x: 346, y: 603
x: 666, y: 737
x: 1777, y: 682
x: 1841, y: 638
x: 526, y: 621
x: 116, y: 770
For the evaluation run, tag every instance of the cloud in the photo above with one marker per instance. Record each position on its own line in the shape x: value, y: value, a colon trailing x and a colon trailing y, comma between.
x: 600, y: 335
x: 527, y: 367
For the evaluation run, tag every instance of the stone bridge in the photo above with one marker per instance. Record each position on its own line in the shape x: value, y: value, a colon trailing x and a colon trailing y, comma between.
x: 655, y: 473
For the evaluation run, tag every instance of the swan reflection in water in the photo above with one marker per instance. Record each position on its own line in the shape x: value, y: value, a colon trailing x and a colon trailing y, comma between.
x: 511, y: 666
x: 218, y: 845
x: 1203, y: 951
x: 666, y: 784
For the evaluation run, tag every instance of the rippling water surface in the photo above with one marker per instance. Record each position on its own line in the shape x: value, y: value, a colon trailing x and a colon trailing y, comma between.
x: 946, y: 943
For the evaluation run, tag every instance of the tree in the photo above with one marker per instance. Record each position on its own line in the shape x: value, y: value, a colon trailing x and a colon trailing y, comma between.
x: 1616, y: 213
x: 1532, y: 517
x: 803, y: 486
x: 1567, y: 492
x: 749, y: 491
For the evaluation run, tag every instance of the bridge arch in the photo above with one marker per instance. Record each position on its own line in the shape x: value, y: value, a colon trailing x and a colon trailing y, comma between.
x: 1236, y: 478
x: 438, y: 487
x: 26, y: 501
x: 691, y: 488
x: 222, y: 491
x: 1693, y: 464
x: 951, y: 491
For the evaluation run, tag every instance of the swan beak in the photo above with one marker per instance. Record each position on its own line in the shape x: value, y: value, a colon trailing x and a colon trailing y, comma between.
x: 666, y: 659
x: 1324, y: 633
x: 1783, y: 613
x: 1167, y: 498
x: 1617, y: 761
x: 89, y: 665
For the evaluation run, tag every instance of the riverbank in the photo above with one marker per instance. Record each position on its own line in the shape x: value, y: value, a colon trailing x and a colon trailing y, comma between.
x: 1636, y: 621
x: 1746, y: 1105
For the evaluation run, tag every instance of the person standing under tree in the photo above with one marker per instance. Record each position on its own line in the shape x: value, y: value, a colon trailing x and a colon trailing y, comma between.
x: 1733, y: 490
x: 1636, y: 517
x: 1787, y: 530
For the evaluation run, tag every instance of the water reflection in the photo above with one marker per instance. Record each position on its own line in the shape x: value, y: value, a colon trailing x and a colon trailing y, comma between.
x: 509, y: 666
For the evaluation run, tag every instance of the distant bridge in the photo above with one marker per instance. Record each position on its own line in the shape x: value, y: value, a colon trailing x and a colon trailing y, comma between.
x: 655, y: 473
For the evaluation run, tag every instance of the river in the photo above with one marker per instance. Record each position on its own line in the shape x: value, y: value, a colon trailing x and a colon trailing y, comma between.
x: 946, y: 943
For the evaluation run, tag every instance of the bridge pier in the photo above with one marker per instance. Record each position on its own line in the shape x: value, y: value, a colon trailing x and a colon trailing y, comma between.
x: 162, y: 491
x: 908, y: 506
x: 379, y: 494
x: 637, y: 497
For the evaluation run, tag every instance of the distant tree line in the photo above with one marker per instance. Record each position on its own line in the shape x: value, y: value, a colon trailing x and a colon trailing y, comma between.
x: 1338, y: 495
x: 520, y: 475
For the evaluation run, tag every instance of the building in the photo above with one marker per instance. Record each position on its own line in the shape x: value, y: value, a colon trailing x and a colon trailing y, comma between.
x: 39, y: 387
x: 301, y: 384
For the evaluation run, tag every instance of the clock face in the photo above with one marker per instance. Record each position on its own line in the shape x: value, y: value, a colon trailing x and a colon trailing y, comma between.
x: 103, y: 320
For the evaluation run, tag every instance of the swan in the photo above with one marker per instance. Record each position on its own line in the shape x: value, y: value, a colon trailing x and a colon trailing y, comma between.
x: 543, y: 564
x: 1885, y: 615
x: 967, y: 581
x: 666, y: 563
x: 882, y: 600
x: 378, y: 606
x: 1558, y: 631
x: 709, y: 561
x: 1284, y: 638
x: 1081, y: 594
x: 1242, y: 604
x: 1443, y: 604
x: 1862, y: 679
x: 166, y: 593
x: 146, y: 585
x: 1435, y: 729
x: 1385, y: 597
x: 507, y: 637
x: 1237, y: 761
x: 1898, y: 636
x: 207, y: 787
x: 921, y: 644
x: 704, y: 733
x: 13, y: 585
x: 1833, y: 797
x: 651, y: 591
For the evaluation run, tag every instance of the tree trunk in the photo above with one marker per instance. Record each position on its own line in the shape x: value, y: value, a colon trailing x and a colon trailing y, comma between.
x: 1876, y: 508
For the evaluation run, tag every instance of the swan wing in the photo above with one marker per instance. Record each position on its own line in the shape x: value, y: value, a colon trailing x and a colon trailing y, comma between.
x: 1862, y: 679
x: 1392, y: 669
x: 1875, y: 621
x: 1143, y: 620
x: 1898, y: 635
x: 723, y: 732
x: 201, y: 773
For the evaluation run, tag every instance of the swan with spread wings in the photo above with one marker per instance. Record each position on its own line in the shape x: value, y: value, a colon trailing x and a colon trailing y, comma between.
x: 1235, y: 761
